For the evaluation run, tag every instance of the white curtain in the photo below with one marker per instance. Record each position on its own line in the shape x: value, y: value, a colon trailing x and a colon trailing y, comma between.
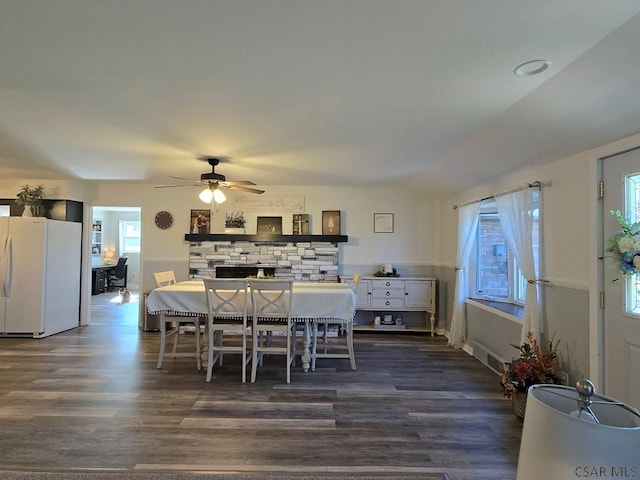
x: 516, y: 212
x: 467, y: 223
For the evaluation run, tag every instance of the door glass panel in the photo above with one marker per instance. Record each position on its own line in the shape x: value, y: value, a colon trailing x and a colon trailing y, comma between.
x: 633, y: 213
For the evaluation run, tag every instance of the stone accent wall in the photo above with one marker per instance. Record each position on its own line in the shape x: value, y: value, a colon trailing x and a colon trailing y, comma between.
x: 301, y: 261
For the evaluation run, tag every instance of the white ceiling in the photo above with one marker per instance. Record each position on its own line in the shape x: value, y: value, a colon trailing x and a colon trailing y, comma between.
x: 311, y: 92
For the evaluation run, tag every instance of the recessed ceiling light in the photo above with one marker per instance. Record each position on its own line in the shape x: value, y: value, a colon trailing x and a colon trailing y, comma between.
x: 532, y: 67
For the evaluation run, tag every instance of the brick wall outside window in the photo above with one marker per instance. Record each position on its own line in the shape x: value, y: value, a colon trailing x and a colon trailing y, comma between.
x: 492, y: 269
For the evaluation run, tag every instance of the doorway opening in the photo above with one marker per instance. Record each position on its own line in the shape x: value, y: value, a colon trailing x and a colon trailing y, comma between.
x: 116, y: 240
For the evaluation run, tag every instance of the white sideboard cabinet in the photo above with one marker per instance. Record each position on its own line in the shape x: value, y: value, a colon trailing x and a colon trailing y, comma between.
x: 397, y: 294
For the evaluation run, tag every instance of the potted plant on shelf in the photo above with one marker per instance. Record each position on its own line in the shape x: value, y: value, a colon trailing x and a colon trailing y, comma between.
x: 31, y: 198
x: 536, y: 364
x: 234, y: 222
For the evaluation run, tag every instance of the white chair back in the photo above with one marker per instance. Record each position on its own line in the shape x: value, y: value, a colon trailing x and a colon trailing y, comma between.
x: 226, y: 297
x: 271, y: 299
x: 164, y: 278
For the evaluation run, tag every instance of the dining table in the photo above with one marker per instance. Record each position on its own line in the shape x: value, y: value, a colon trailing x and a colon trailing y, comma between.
x: 327, y: 302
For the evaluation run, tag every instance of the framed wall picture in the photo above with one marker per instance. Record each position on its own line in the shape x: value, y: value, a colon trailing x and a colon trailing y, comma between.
x: 383, y: 222
x: 200, y: 221
x: 269, y: 226
x: 300, y: 224
x: 331, y: 222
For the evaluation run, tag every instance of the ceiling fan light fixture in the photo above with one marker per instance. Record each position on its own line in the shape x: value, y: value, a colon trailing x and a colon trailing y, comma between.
x: 532, y: 67
x: 219, y: 196
x: 206, y: 195
x: 213, y: 181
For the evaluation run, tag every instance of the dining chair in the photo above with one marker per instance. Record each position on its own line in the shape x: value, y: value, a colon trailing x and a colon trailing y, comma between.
x: 329, y: 349
x: 177, y: 323
x: 227, y: 313
x: 164, y: 278
x: 271, y: 314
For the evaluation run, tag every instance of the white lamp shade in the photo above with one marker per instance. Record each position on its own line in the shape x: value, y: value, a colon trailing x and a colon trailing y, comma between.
x: 558, y: 445
x: 109, y: 256
x: 206, y: 195
x: 219, y: 196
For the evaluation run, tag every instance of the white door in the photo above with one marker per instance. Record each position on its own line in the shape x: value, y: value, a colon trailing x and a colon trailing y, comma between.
x: 622, y: 308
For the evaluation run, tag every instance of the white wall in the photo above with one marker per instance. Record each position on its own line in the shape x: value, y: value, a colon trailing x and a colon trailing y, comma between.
x: 568, y: 206
x: 565, y: 252
x: 412, y: 243
x: 564, y: 262
x: 565, y: 211
x: 569, y: 240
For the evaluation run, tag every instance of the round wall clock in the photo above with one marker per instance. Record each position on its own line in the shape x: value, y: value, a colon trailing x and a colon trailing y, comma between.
x: 164, y: 220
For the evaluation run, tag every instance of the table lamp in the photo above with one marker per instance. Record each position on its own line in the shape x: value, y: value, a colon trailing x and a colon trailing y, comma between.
x: 571, y: 433
x: 109, y: 256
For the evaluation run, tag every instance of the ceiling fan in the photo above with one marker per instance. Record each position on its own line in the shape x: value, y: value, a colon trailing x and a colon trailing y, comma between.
x: 214, y: 182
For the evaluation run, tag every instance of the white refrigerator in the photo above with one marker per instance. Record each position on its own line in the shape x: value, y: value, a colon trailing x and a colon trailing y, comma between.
x: 39, y: 276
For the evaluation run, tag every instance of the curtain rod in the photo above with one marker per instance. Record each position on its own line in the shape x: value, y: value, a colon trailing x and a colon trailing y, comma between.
x: 536, y: 184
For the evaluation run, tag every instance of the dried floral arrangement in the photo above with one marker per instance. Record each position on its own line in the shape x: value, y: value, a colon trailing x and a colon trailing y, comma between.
x: 535, y: 364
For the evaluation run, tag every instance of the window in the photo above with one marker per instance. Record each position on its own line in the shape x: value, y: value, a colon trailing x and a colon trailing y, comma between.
x: 129, y: 237
x: 493, y: 259
x: 493, y: 271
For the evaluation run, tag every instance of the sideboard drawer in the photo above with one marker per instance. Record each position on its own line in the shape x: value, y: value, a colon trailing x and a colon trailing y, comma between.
x: 388, y: 283
x: 376, y: 293
x: 389, y: 303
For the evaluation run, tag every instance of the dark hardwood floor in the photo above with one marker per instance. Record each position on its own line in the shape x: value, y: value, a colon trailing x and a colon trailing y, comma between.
x: 92, y: 398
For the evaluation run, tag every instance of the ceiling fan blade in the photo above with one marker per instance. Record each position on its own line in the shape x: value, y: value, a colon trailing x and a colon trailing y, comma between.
x: 244, y: 189
x: 182, y: 178
x: 214, y: 180
x: 239, y: 182
x: 172, y: 186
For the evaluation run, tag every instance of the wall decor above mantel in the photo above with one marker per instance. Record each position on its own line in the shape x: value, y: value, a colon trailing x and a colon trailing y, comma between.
x: 270, y: 203
x: 222, y: 237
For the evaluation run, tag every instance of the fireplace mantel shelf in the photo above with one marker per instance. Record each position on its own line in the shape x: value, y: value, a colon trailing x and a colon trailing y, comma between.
x: 231, y: 237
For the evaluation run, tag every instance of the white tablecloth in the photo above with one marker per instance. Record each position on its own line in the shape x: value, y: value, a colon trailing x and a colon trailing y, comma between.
x: 310, y: 300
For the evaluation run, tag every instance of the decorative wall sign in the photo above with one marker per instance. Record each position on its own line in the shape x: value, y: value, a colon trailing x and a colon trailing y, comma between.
x: 383, y: 222
x: 270, y: 203
x: 200, y: 221
x: 331, y: 222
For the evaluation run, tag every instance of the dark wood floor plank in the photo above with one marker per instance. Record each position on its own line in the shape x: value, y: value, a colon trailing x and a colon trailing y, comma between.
x: 93, y: 398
